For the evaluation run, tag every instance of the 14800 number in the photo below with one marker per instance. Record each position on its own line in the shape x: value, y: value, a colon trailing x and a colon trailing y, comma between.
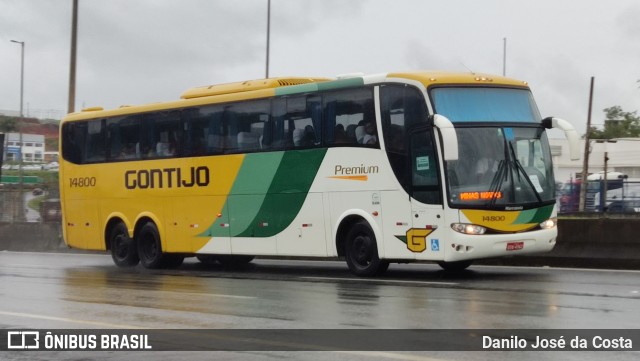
x: 82, y: 182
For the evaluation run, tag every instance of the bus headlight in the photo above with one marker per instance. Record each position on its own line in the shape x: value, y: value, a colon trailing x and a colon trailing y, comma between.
x: 549, y: 223
x: 468, y: 228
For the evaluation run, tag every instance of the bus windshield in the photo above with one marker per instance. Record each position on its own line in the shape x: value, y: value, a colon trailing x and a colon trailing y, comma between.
x: 483, y: 104
x: 501, y: 168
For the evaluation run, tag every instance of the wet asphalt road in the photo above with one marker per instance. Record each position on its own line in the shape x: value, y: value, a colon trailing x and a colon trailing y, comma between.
x: 51, y: 290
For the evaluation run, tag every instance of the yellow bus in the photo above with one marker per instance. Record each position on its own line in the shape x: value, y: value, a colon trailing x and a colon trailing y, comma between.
x: 397, y: 167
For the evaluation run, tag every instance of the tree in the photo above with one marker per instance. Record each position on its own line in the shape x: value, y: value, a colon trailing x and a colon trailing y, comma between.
x: 617, y: 124
x: 8, y: 124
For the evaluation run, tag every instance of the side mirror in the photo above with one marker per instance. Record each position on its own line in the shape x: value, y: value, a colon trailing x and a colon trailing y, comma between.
x: 569, y: 132
x: 449, y: 137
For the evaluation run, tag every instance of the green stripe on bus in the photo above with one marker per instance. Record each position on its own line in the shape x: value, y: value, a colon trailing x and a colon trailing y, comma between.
x: 534, y: 215
x: 542, y: 214
x: 247, y: 193
x: 341, y: 83
x: 250, y: 188
x: 256, y: 173
x: 287, y: 193
x: 297, y: 89
x: 314, y: 87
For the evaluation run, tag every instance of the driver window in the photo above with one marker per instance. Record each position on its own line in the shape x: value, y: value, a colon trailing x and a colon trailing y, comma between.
x: 424, y: 168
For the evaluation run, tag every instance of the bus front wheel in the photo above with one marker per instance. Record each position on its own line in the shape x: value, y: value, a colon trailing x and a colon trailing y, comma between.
x: 361, y: 251
x: 123, y: 248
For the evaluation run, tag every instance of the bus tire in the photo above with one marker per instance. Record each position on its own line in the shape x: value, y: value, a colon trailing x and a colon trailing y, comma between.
x: 455, y: 266
x: 123, y: 249
x: 361, y: 251
x: 149, y: 246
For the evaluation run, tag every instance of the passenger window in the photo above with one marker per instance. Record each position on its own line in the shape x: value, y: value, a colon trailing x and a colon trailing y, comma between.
x: 94, y: 147
x: 350, y: 118
x: 123, y: 135
x: 165, y: 129
x: 402, y: 107
x: 203, y: 131
x: 73, y: 137
x: 297, y: 121
x: 245, y: 123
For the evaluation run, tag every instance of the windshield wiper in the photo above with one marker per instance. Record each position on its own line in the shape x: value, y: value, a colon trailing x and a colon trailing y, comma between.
x: 496, y: 182
x: 520, y: 169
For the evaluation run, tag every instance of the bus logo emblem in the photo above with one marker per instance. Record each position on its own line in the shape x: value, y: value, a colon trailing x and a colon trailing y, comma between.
x: 417, y: 239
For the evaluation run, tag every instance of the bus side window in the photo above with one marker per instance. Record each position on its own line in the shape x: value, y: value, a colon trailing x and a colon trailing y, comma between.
x: 249, y: 134
x: 244, y: 123
x: 349, y: 118
x: 402, y: 107
x: 94, y: 147
x: 123, y: 136
x: 424, y: 168
x: 166, y: 128
x: 302, y: 121
x: 73, y: 135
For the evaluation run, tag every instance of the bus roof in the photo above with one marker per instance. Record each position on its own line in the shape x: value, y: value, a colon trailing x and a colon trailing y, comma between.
x: 262, y: 88
x: 456, y: 78
x: 249, y: 85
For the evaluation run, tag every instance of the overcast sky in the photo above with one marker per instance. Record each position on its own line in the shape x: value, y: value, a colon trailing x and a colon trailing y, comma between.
x: 142, y: 51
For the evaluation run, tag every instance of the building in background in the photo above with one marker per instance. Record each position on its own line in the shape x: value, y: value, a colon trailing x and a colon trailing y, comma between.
x: 623, y: 156
x: 32, y: 148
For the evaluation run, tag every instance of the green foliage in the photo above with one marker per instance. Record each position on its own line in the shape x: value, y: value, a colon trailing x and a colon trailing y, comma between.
x: 8, y: 124
x: 618, y: 124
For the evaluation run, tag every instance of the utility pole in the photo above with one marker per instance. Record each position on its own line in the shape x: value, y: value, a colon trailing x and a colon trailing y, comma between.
x: 21, y: 148
x: 268, y: 36
x: 504, y: 57
x: 72, y: 67
x: 585, y: 161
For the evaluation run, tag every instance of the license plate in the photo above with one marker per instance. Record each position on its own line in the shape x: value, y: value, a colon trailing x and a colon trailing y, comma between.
x: 514, y: 246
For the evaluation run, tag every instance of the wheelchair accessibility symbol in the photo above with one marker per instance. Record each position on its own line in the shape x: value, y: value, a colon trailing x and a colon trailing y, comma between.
x: 435, y: 245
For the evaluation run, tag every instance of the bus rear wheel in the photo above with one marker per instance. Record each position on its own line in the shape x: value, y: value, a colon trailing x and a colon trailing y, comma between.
x: 149, y: 246
x: 123, y: 249
x: 361, y: 251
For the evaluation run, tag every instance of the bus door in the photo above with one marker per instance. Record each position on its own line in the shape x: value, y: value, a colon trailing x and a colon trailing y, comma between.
x: 427, y: 212
x: 413, y: 214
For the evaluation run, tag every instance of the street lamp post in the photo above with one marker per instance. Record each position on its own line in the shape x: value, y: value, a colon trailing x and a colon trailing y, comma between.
x: 268, y: 37
x: 20, y: 184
